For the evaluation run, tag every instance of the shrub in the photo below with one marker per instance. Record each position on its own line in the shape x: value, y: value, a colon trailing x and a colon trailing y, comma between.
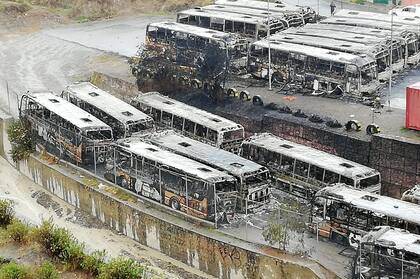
x: 120, y: 268
x: 47, y: 271
x: 13, y: 271
x: 20, y: 138
x: 18, y: 231
x: 60, y: 244
x: 92, y: 263
x: 6, y: 212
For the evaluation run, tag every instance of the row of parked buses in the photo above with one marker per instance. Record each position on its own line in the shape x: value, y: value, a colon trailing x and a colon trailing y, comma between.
x: 352, y: 52
x: 157, y: 150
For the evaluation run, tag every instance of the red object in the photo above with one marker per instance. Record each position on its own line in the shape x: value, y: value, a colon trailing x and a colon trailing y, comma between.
x: 412, y: 110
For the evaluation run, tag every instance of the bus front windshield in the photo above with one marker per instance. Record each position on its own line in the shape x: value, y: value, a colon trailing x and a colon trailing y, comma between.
x: 99, y: 134
x: 370, y: 181
x: 139, y: 126
x: 233, y: 135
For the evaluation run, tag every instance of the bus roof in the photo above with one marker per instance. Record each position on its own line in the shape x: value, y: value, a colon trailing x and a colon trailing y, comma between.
x: 341, y: 35
x: 394, y: 238
x: 327, y: 43
x: 364, y: 31
x: 368, y: 23
x: 261, y: 5
x: 108, y: 103
x: 311, y: 155
x: 322, y: 53
x: 194, y: 30
x: 226, y: 16
x: 383, y: 205
x: 207, y: 154
x: 246, y: 11
x: 178, y: 162
x: 378, y: 17
x: 71, y: 113
x: 207, y: 119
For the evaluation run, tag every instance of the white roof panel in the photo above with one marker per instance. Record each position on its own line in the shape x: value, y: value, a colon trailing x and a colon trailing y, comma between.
x: 382, y: 18
x: 260, y: 5
x: 310, y: 155
x: 246, y: 11
x: 66, y: 110
x: 194, y: 30
x: 164, y: 103
x: 175, y: 161
x: 226, y: 15
x: 322, y: 53
x: 207, y: 154
x: 108, y: 103
x: 386, y: 206
x: 394, y: 238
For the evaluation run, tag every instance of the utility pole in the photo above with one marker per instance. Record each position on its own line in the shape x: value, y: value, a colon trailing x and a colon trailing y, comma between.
x: 269, y: 45
x: 8, y: 95
x: 390, y: 63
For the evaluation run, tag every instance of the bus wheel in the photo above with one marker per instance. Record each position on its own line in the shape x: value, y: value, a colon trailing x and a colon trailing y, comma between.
x: 372, y: 129
x: 277, y: 77
x: 244, y: 96
x: 353, y: 125
x: 124, y: 182
x: 257, y: 101
x: 196, y: 84
x: 175, y: 204
x: 232, y: 92
x: 100, y: 159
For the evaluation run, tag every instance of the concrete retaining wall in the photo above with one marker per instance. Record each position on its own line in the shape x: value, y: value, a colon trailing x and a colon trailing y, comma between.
x: 210, y: 251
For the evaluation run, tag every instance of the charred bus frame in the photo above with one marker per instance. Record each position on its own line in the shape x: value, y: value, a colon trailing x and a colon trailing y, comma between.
x: 250, y: 27
x: 380, y: 52
x: 191, y: 121
x: 303, y: 170
x: 388, y: 252
x: 176, y: 181
x: 345, y: 212
x: 314, y: 67
x: 292, y: 19
x: 185, y: 45
x: 64, y: 129
x: 252, y: 179
x: 409, y: 35
x: 124, y: 119
x: 307, y: 12
x: 412, y: 195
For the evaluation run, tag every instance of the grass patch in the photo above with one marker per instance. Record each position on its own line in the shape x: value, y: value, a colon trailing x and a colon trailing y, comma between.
x: 91, y: 182
x: 122, y: 269
x: 20, y: 138
x: 120, y: 194
x: 18, y: 231
x: 14, y: 271
x: 7, y: 213
x: 47, y: 271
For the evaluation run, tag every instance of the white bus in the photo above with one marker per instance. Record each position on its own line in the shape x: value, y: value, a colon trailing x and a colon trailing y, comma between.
x: 64, y: 129
x: 314, y: 68
x: 388, y: 252
x: 191, y: 121
x: 252, y: 179
x: 307, y: 12
x: 303, y: 170
x: 250, y: 27
x: 124, y: 119
x: 344, y: 213
x: 176, y: 181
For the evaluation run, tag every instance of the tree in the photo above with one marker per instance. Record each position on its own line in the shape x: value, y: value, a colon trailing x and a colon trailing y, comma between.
x: 289, y: 221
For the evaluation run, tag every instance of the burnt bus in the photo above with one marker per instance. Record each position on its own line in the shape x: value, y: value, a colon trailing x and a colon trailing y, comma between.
x: 253, y: 180
x: 302, y: 170
x: 124, y: 119
x: 173, y: 180
x: 64, y: 129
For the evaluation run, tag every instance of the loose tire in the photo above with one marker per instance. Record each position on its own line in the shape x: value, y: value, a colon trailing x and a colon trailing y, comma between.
x: 175, y: 204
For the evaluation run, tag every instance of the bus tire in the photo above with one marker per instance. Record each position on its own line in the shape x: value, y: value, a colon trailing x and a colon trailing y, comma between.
x: 196, y: 84
x: 100, y: 159
x: 174, y: 203
x: 123, y: 182
x: 183, y: 80
x: 257, y: 101
x: 134, y: 71
x: 277, y: 77
x: 232, y: 92
x: 353, y: 125
x: 372, y: 129
x: 244, y: 96
x: 110, y: 177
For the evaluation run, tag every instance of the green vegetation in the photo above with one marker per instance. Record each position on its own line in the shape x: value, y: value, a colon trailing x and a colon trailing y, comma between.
x: 120, y: 268
x: 6, y: 213
x: 63, y: 249
x: 18, y: 231
x: 20, y: 138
